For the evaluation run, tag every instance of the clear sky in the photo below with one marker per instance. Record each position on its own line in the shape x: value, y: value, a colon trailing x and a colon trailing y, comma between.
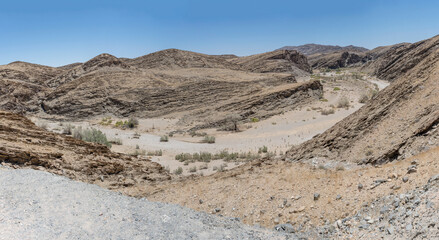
x: 60, y: 32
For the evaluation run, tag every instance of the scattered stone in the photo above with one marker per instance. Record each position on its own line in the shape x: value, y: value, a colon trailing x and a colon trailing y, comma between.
x: 276, y: 221
x: 412, y: 169
x: 300, y: 209
x: 296, y: 197
x: 338, y: 197
x: 316, y: 196
x: 390, y: 230
x: 360, y: 186
x: 200, y: 201
x: 216, y: 210
x: 286, y: 227
x: 434, y: 178
x: 405, y: 179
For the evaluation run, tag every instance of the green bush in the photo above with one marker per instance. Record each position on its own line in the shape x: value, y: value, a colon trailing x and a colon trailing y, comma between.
x: 336, y: 89
x: 130, y: 123
x: 164, y: 138
x: 254, y: 119
x: 91, y: 135
x: 263, y: 149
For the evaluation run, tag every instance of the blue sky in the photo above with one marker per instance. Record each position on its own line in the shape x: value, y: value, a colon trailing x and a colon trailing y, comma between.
x: 60, y: 32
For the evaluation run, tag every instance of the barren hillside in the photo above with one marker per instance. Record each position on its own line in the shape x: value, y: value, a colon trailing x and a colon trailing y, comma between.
x: 400, y: 121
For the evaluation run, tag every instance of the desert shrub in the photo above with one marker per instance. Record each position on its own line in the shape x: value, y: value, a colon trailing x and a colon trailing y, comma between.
x: 363, y: 98
x: 155, y: 153
x: 327, y: 111
x: 336, y: 89
x: 263, y: 149
x: 106, y: 121
x: 324, y: 100
x: 164, y: 138
x: 183, y: 157
x: 91, y: 135
x: 138, y: 152
x: 178, y: 171
x: 254, y: 119
x: 343, y: 102
x: 209, y: 139
x: 193, y: 169
x: 130, y: 123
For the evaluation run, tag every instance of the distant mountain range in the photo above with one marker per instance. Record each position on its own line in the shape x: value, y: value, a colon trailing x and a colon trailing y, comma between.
x: 310, y: 49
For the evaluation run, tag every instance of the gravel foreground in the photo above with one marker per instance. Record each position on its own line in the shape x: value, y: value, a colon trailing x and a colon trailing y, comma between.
x: 41, y: 205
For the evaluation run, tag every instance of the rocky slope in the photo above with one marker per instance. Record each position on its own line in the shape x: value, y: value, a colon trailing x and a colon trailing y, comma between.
x: 24, y: 145
x: 400, y: 121
x: 310, y: 49
x: 336, y: 60
x: 276, y: 61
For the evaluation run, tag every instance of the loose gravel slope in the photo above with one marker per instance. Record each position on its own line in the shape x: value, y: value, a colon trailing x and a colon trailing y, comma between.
x: 40, y: 205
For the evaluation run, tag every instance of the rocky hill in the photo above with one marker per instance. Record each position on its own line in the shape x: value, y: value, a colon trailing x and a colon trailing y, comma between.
x: 310, y: 49
x: 175, y: 58
x: 337, y: 60
x: 24, y: 145
x: 276, y: 61
x: 399, y: 122
x: 162, y: 83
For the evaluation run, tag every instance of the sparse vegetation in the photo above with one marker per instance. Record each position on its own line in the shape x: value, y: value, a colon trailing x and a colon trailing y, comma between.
x: 254, y: 119
x: 164, y: 138
x: 106, y: 121
x: 91, y: 135
x: 336, y: 89
x: 193, y: 169
x: 209, y: 139
x: 178, y: 171
x: 155, y: 153
x: 130, y: 123
x: 343, y: 102
x: 263, y: 149
x: 327, y: 111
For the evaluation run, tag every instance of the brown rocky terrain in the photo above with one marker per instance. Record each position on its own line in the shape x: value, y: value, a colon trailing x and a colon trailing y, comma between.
x: 191, y: 85
x: 24, y: 145
x: 276, y: 61
x: 311, y: 49
x: 400, y: 121
x: 337, y: 60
